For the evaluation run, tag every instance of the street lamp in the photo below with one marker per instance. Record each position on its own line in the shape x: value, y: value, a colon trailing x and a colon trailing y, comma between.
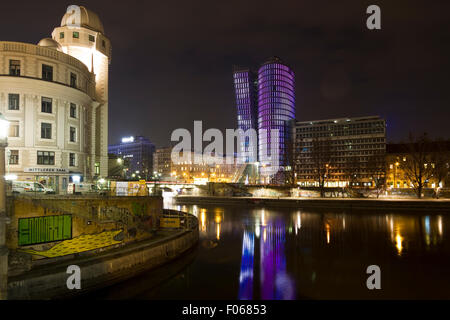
x: 4, y: 125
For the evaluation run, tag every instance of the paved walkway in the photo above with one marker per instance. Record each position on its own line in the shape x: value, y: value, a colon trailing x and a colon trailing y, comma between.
x: 80, y: 244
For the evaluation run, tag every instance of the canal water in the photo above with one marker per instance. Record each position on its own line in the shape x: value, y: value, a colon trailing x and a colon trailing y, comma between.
x: 261, y: 253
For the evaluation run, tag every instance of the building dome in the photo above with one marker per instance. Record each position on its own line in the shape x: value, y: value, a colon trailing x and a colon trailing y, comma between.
x: 50, y: 43
x: 89, y: 20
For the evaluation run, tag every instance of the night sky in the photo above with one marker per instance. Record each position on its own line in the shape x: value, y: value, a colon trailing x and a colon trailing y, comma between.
x: 172, y: 60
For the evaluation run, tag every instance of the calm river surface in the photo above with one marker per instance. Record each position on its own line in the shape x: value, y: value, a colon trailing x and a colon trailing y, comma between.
x: 261, y: 253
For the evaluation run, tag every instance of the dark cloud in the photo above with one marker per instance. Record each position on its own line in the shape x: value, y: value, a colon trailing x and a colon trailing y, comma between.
x: 172, y: 60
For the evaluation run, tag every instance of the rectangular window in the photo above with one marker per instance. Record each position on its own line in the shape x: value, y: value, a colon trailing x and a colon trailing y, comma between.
x: 14, y: 67
x: 91, y: 38
x: 46, y: 105
x: 72, y: 159
x: 76, y: 35
x: 97, y: 168
x: 13, y: 101
x: 73, y: 110
x: 46, y: 130
x: 47, y: 72
x: 103, y: 43
x: 14, y: 129
x: 73, y: 80
x: 61, y: 35
x: 14, y: 157
x: 45, y: 158
x: 73, y: 134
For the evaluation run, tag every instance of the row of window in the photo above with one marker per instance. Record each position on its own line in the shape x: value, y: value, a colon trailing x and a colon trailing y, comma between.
x: 376, y: 124
x: 46, y: 105
x: 47, y: 72
x: 76, y: 35
x: 46, y: 131
x: 43, y: 158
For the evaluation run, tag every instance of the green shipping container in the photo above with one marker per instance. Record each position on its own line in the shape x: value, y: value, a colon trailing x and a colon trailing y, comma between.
x: 39, y: 230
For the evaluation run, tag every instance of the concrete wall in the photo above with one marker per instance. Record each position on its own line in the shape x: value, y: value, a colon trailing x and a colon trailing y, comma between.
x: 89, y: 215
x: 136, y: 216
x: 100, y: 270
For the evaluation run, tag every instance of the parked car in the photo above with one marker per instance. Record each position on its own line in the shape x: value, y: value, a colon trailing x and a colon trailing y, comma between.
x: 30, y: 186
x: 82, y: 188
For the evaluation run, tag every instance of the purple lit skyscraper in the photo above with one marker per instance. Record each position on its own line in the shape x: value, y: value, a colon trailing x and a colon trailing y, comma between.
x: 245, y: 87
x: 276, y: 109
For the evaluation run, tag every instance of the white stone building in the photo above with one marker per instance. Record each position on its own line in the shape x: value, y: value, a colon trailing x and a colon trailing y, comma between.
x: 55, y: 95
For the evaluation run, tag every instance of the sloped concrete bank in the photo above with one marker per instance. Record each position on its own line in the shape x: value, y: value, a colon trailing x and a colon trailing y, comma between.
x: 100, y: 270
x: 442, y: 206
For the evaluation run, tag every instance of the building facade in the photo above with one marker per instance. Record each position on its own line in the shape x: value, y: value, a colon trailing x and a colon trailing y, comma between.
x: 345, y: 151
x: 162, y: 164
x: 51, y: 99
x: 267, y: 104
x: 276, y: 110
x: 138, y: 151
x: 434, y: 156
x: 246, y: 95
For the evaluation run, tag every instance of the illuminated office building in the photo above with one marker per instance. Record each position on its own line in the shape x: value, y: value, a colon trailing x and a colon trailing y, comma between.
x: 267, y: 103
x: 138, y: 152
x: 245, y: 86
x: 276, y: 109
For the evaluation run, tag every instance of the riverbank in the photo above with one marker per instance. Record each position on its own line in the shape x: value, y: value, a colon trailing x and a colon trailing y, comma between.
x: 103, y: 269
x: 319, y: 203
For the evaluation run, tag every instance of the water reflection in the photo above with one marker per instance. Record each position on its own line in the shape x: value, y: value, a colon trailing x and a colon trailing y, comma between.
x: 287, y: 254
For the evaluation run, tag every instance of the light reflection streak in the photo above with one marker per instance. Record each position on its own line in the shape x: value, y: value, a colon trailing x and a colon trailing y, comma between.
x: 246, y: 274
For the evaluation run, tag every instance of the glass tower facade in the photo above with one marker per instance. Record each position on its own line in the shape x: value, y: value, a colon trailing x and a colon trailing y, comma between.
x: 245, y: 86
x: 276, y: 109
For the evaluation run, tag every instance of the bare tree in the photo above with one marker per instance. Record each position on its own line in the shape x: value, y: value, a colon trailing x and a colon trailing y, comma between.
x: 353, y: 170
x: 440, y: 162
x: 417, y: 166
x: 322, y: 161
x: 376, y: 168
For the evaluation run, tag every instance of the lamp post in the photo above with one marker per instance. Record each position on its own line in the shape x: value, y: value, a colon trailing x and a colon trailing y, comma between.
x: 4, y: 125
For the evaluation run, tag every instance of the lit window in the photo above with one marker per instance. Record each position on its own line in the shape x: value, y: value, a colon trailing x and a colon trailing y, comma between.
x: 13, y: 101
x: 73, y: 110
x: 72, y: 159
x: 46, y: 130
x: 14, y: 67
x: 73, y: 134
x: 14, y: 157
x: 46, y: 105
x: 47, y: 72
x: 73, y: 80
x: 14, y: 129
x: 45, y: 158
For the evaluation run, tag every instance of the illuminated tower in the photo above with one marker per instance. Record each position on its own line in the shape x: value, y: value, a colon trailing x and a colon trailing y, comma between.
x: 276, y: 109
x: 82, y: 36
x: 245, y: 87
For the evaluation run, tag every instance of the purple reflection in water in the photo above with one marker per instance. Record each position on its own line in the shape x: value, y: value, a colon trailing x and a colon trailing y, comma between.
x: 276, y: 284
x: 246, y: 275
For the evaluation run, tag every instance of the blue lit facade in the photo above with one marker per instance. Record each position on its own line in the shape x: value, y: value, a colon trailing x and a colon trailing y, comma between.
x: 266, y: 103
x: 245, y: 87
x: 139, y: 152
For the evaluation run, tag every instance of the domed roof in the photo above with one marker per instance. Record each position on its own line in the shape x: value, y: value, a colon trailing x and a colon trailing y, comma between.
x: 89, y: 20
x: 50, y: 43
